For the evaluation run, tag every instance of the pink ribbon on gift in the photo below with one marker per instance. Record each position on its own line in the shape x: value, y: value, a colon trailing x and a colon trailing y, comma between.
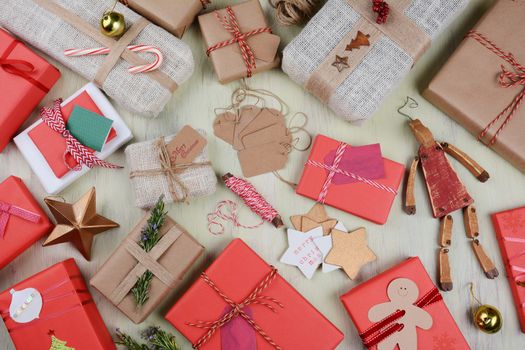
x: 82, y: 155
x: 8, y: 209
x: 519, y: 269
x: 334, y: 169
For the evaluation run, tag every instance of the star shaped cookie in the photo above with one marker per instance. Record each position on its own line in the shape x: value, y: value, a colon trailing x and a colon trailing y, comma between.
x: 317, y: 216
x: 350, y: 251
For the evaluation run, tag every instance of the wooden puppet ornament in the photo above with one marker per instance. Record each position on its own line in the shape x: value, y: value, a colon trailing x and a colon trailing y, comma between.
x: 447, y: 194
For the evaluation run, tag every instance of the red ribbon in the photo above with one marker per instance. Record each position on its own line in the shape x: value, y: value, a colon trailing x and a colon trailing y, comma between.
x: 20, y: 68
x: 232, y: 26
x: 7, y: 209
x: 506, y: 79
x: 255, y: 297
x: 381, y: 330
x: 82, y: 154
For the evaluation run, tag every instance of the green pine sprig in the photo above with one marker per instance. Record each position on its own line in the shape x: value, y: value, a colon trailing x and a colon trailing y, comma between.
x: 148, y: 239
x: 157, y: 338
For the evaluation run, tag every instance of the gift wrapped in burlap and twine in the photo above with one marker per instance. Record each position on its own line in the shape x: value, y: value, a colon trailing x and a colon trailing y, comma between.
x: 54, y: 26
x: 152, y: 173
x: 356, y: 91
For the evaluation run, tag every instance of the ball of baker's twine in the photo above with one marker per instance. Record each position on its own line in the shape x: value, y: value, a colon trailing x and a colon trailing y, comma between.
x: 291, y: 12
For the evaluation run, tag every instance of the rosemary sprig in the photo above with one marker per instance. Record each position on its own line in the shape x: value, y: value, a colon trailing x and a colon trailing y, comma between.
x: 157, y: 338
x: 148, y: 239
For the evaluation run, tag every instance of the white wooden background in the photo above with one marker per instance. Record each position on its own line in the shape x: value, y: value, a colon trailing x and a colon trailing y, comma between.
x: 401, y: 237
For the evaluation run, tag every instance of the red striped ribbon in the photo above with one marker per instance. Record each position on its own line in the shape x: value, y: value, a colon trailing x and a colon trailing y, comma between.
x: 381, y: 330
x: 232, y: 26
x: 7, y: 210
x: 506, y: 79
x: 82, y: 155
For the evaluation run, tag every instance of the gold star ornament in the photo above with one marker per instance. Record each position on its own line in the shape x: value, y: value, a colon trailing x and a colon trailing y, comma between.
x: 341, y: 63
x: 350, y: 251
x: 77, y: 223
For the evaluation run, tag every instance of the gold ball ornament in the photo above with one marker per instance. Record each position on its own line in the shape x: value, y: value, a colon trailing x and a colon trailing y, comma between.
x: 488, y: 319
x: 112, y: 24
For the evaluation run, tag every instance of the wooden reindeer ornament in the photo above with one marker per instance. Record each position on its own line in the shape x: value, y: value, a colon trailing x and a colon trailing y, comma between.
x: 447, y: 194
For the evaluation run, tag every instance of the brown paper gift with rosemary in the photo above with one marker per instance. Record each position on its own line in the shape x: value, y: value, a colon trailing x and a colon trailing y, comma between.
x: 229, y: 61
x: 468, y: 87
x: 169, y: 260
x: 173, y: 15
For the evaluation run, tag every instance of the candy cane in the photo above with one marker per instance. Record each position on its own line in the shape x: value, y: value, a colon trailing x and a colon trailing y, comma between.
x: 134, y: 48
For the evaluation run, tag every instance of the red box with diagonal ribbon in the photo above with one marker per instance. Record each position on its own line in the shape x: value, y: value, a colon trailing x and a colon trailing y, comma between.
x: 25, y: 79
x: 351, y: 184
x: 22, y: 220
x: 403, y: 307
x: 54, y: 307
x: 241, y: 302
x: 510, y: 231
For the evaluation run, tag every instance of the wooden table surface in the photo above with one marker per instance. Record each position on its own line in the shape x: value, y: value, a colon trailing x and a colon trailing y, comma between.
x: 401, y: 237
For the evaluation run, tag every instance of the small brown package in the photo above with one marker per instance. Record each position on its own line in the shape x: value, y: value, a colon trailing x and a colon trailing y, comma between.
x: 173, y: 15
x: 169, y: 260
x: 228, y: 60
x: 467, y: 87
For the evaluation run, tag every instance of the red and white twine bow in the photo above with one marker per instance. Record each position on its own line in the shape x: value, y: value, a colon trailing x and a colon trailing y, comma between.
x: 334, y: 169
x: 82, y: 155
x: 388, y: 326
x: 232, y: 26
x: 506, y: 79
x: 7, y: 210
x: 159, y: 58
x: 255, y: 297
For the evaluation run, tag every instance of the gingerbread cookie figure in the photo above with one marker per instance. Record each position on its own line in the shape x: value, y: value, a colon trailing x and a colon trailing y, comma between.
x: 403, y: 293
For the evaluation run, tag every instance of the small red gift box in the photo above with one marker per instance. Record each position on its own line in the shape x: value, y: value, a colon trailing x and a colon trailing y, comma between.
x: 403, y: 306
x: 510, y: 230
x: 54, y: 306
x: 273, y: 314
x: 26, y: 78
x: 22, y: 221
x: 368, y: 198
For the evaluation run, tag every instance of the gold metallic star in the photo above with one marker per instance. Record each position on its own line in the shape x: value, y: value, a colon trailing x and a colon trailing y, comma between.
x: 341, y: 63
x: 77, y: 223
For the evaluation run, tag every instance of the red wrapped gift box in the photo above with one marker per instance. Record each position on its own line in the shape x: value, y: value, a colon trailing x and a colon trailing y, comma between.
x: 510, y: 230
x: 25, y: 79
x: 22, y: 221
x: 239, y: 273
x: 389, y: 307
x: 64, y: 308
x: 370, y: 199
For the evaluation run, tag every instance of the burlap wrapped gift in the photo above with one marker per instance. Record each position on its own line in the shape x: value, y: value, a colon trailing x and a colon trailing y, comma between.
x: 152, y: 174
x: 373, y: 71
x: 54, y: 26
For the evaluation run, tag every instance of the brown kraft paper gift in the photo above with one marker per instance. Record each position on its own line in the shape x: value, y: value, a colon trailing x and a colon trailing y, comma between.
x: 228, y: 61
x: 173, y: 15
x: 468, y: 87
x: 120, y: 272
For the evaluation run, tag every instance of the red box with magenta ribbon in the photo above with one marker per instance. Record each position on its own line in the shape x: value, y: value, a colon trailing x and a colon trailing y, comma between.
x: 54, y: 310
x: 241, y: 302
x: 355, y: 179
x: 22, y: 220
x: 25, y: 78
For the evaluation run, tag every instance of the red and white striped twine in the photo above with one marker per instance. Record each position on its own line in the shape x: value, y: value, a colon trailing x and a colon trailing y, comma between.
x: 232, y: 216
x: 506, y: 79
x: 334, y: 169
x: 232, y: 26
x: 159, y: 58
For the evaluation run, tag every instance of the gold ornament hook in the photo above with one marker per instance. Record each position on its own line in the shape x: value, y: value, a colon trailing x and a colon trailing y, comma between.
x: 410, y: 103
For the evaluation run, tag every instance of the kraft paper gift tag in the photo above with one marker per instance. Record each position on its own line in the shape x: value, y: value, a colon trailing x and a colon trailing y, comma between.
x: 247, y: 115
x: 263, y: 159
x: 224, y: 126
x: 186, y: 145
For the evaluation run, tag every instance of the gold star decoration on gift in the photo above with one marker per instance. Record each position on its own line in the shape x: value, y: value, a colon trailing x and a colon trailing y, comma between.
x: 317, y: 216
x: 350, y: 251
x: 77, y: 223
x: 341, y: 63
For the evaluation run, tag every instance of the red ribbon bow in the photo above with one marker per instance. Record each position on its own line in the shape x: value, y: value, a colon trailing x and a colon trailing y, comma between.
x: 386, y: 327
x: 82, y: 155
x: 232, y: 26
x: 7, y: 209
x: 506, y: 79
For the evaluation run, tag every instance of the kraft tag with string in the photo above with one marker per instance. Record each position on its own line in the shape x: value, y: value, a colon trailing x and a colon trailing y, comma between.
x: 186, y: 146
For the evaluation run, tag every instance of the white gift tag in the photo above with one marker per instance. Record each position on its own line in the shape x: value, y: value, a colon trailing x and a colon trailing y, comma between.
x: 25, y: 305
